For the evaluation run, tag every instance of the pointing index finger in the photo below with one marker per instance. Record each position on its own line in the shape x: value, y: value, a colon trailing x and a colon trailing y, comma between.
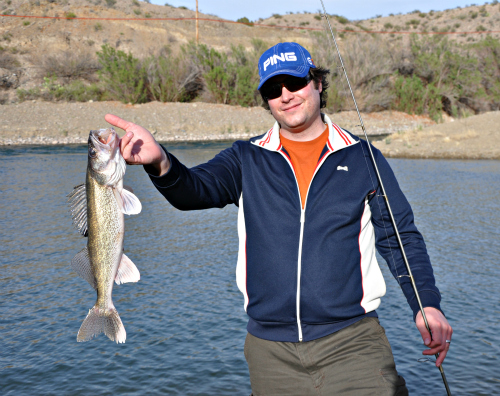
x: 117, y: 121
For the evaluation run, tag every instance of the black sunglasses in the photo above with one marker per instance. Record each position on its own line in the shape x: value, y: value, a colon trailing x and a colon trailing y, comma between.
x: 273, y: 90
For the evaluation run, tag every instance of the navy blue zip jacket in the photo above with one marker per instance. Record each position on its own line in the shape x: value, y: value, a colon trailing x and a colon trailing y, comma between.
x: 306, y: 273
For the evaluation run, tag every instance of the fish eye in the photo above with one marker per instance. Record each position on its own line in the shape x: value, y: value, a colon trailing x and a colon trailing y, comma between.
x: 92, y: 152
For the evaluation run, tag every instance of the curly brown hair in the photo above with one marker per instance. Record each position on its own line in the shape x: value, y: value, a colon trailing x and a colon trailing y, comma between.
x: 317, y: 75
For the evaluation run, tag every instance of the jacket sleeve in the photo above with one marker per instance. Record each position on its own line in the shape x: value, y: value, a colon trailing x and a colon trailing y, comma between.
x: 211, y: 185
x: 413, y: 242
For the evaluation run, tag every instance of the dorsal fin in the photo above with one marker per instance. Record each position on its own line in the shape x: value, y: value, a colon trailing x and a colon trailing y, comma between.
x: 77, y: 200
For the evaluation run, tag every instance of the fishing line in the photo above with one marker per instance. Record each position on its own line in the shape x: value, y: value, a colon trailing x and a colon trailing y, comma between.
x: 384, y: 194
x: 346, y: 91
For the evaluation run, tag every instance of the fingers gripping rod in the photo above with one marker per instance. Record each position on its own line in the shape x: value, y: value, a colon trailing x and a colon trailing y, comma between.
x: 393, y: 221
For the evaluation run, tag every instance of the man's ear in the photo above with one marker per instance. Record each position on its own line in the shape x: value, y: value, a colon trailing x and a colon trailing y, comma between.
x: 320, y: 87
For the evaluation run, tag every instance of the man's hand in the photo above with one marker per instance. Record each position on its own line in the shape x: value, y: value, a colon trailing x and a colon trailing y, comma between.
x: 139, y: 147
x: 441, y: 331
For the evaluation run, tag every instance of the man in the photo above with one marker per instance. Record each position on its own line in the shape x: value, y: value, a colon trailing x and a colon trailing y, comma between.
x: 308, y: 223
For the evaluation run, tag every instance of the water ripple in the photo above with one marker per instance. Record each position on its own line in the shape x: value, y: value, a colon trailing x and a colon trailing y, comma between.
x: 184, y: 320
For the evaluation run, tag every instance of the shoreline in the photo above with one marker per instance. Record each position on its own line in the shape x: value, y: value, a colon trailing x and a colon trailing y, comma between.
x: 396, y: 134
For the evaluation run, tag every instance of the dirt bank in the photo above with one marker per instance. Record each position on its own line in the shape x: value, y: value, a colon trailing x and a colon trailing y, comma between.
x: 40, y: 122
x: 401, y: 135
x: 476, y: 137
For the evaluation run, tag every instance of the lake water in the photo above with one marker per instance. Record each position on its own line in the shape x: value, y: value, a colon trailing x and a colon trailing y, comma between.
x: 185, y: 321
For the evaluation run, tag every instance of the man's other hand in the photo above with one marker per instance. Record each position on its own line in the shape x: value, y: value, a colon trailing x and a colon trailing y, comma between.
x: 139, y: 147
x: 441, y: 332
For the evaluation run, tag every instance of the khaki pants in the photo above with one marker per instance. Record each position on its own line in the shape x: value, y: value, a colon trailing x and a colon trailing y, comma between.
x: 354, y: 361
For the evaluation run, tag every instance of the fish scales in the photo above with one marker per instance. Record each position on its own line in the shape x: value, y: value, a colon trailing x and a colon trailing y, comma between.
x: 105, y: 248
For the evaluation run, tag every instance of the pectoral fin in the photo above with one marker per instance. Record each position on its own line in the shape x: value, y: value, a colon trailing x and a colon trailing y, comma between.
x: 77, y: 200
x: 127, y: 201
x: 127, y: 271
x: 81, y: 265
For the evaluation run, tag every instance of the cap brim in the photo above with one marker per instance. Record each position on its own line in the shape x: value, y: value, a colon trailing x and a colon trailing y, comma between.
x: 300, y: 71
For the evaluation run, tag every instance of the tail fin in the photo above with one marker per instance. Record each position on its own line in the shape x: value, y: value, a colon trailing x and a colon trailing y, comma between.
x: 100, y: 320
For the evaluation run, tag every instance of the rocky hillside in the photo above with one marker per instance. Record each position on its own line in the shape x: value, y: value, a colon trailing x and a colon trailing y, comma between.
x: 33, y: 48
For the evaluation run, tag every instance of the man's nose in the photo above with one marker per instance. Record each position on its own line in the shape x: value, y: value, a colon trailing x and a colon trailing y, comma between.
x: 286, y: 95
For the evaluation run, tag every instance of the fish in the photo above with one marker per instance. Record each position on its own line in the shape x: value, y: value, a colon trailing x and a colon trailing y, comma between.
x: 98, y: 207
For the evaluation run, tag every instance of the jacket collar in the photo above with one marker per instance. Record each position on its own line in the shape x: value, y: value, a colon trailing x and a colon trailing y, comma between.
x: 338, y: 138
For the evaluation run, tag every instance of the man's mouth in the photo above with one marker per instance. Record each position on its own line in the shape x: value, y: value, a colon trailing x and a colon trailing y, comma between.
x: 292, y: 107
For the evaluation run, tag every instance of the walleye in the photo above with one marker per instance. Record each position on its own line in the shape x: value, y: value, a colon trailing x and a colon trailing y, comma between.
x: 97, y: 208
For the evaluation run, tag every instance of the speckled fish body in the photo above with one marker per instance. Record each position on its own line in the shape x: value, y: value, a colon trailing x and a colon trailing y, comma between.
x: 98, y: 208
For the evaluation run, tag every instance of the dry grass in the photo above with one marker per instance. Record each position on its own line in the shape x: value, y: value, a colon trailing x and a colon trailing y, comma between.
x: 8, y: 61
x: 67, y: 64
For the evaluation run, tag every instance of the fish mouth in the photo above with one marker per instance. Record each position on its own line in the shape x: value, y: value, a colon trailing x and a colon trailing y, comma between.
x: 104, y: 138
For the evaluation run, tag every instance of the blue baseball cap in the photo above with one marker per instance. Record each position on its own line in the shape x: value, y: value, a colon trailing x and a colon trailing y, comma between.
x: 284, y: 58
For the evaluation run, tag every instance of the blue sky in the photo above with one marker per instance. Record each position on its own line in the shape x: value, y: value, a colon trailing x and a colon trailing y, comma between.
x: 352, y: 9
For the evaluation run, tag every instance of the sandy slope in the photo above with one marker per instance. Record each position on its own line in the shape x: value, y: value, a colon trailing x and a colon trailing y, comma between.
x: 476, y: 137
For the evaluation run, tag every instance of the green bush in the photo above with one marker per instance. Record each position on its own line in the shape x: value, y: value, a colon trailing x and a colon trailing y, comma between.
x: 230, y: 78
x: 171, y: 79
x: 245, y: 20
x: 453, y: 69
x: 487, y: 52
x: 413, y: 97
x: 342, y: 20
x: 410, y: 93
x: 122, y: 74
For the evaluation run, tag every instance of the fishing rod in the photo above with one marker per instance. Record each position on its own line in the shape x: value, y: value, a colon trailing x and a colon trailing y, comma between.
x: 384, y: 194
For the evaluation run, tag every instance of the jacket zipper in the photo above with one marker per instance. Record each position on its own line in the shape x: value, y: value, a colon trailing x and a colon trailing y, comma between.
x: 299, y: 265
x: 302, y: 221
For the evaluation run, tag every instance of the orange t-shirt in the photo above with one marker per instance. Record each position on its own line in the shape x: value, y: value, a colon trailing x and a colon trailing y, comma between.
x: 305, y: 156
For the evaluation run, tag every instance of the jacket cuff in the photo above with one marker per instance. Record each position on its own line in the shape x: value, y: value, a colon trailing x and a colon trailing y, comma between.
x: 170, y: 177
x: 428, y: 298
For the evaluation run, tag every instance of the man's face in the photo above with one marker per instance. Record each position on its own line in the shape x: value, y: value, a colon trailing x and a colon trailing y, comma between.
x: 295, y: 111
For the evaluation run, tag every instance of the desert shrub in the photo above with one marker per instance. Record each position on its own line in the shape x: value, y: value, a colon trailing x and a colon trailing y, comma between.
x: 70, y: 64
x: 230, y: 78
x: 172, y: 79
x: 70, y: 15
x: 414, y: 97
x: 123, y: 75
x: 214, y: 69
x: 370, y: 65
x: 342, y: 20
x: 487, y: 52
x: 52, y: 90
x: 451, y: 68
x: 8, y: 61
x: 245, y: 20
x: 245, y: 76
